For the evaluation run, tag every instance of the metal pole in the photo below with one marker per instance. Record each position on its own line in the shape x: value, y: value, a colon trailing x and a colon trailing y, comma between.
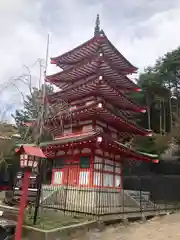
x: 40, y: 170
x: 23, y: 201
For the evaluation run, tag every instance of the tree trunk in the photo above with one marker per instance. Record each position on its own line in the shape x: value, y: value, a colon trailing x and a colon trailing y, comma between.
x: 160, y: 117
x: 148, y: 111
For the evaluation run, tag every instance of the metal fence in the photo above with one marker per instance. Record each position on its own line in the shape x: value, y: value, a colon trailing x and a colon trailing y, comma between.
x: 140, y: 194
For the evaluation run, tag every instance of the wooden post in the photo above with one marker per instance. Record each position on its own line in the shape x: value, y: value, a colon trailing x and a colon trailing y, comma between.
x: 22, y: 205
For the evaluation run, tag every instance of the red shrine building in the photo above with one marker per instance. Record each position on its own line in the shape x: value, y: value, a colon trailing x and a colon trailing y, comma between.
x: 90, y: 134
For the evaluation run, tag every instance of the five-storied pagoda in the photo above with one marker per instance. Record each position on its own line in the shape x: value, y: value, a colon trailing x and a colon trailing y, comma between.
x: 90, y: 150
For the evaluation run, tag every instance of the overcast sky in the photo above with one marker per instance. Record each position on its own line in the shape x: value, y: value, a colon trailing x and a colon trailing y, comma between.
x: 142, y: 30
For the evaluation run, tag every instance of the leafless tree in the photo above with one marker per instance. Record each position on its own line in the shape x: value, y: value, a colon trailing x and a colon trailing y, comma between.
x: 24, y: 85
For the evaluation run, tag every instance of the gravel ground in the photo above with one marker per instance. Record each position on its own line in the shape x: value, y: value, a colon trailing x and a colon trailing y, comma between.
x: 159, y: 228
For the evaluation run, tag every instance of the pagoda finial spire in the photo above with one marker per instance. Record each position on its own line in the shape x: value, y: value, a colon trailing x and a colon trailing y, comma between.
x: 97, y: 26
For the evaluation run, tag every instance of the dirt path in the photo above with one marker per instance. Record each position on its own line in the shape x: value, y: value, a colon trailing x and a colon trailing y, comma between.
x: 159, y: 228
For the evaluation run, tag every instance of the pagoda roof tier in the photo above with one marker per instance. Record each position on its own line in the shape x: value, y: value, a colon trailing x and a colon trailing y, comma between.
x: 96, y: 140
x: 95, y: 87
x: 98, y: 43
x: 71, y: 138
x: 97, y: 111
x: 95, y: 65
x: 92, y: 99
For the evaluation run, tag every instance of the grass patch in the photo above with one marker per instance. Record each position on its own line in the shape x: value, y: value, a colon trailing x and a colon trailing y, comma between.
x: 49, y: 220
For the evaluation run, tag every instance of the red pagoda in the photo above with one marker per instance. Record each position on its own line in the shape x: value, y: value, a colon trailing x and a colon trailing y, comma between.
x: 89, y: 151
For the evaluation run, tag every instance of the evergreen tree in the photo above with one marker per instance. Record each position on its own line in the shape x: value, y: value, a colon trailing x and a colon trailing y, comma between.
x: 33, y: 111
x: 159, y: 83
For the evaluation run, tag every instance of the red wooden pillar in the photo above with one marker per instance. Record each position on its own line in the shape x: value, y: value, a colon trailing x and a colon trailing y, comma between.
x: 22, y: 205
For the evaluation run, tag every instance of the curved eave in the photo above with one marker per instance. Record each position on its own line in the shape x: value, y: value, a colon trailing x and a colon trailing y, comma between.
x: 77, y: 72
x: 103, y: 114
x: 74, y: 49
x: 68, y: 58
x: 71, y: 139
x: 118, y: 82
x: 89, y: 87
x: 66, y: 85
x: 88, y: 67
x: 129, y: 152
x: 154, y: 157
x: 97, y: 140
x: 134, y: 69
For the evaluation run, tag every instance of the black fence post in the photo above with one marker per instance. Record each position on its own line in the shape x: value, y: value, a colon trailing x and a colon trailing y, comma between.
x: 122, y: 188
x: 153, y: 181
x: 140, y: 193
x: 39, y: 187
x: 66, y: 189
x: 165, y: 200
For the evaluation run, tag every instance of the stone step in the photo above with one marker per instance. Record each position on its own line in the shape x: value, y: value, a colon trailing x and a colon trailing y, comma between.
x: 141, y: 198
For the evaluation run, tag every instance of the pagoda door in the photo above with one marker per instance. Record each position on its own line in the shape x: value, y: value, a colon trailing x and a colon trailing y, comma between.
x: 71, y: 174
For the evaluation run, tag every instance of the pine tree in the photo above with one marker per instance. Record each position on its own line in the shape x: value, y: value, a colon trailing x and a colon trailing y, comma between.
x: 33, y: 107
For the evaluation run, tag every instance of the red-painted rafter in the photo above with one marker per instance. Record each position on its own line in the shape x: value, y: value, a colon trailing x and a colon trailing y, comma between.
x: 91, y: 87
x: 94, y: 65
x: 90, y: 47
x: 99, y: 112
x: 91, y: 140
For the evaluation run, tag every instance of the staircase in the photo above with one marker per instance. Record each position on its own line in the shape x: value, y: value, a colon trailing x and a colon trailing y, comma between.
x: 141, y: 198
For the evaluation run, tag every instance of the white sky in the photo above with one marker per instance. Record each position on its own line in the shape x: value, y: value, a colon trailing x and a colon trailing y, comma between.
x: 142, y: 30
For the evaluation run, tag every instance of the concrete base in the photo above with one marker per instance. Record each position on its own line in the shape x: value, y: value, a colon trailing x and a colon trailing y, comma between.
x: 88, y: 200
x: 63, y: 233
